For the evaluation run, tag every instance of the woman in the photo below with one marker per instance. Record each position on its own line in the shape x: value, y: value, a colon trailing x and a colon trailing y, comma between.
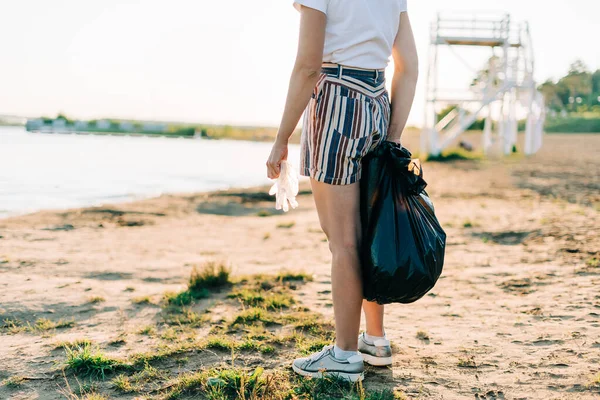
x: 338, y: 78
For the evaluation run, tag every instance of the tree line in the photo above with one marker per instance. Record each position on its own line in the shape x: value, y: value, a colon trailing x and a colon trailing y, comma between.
x: 577, y: 92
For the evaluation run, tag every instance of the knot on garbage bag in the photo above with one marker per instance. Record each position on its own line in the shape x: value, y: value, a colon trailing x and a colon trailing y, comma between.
x: 399, y: 159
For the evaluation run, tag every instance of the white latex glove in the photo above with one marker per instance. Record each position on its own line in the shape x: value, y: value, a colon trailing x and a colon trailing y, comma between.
x: 285, y: 188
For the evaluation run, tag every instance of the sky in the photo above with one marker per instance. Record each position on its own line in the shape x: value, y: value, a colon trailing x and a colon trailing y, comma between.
x: 221, y: 62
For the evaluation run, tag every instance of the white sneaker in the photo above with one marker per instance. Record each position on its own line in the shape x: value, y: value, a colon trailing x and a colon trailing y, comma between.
x: 379, y: 353
x: 324, y: 363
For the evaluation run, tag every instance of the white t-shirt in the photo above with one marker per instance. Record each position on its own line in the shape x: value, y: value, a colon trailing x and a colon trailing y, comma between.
x: 359, y: 33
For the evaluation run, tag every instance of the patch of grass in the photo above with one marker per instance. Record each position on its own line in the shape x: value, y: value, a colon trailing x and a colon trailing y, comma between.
x: 89, y: 362
x: 212, y: 275
x: 129, y: 289
x: 148, y: 330
x: 123, y: 384
x: 250, y: 344
x: 470, y: 224
x: 185, y: 297
x: 142, y: 300
x: 73, y: 343
x: 170, y: 335
x: 286, y: 225
x: 264, y: 213
x: 190, y: 383
x: 240, y: 383
x: 96, y: 299
x: 266, y: 236
x: 422, y: 335
x: 14, y: 326
x: 85, y: 391
x: 400, y: 395
x: 306, y: 347
x: 277, y: 301
x: 287, y: 276
x: 263, y: 301
x: 593, y: 262
x: 311, y: 323
x: 14, y: 381
x: 248, y: 296
x: 219, y: 343
x: 44, y: 324
x: 137, y: 381
x: 162, y: 354
x: 267, y: 349
x: 285, y: 339
x: 223, y: 384
x: 185, y: 316
x: 455, y: 155
x: 595, y: 381
x: 252, y: 315
x: 257, y: 298
x: 335, y: 388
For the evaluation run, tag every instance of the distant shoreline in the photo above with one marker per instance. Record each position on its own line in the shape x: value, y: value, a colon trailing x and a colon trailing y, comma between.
x: 229, y: 133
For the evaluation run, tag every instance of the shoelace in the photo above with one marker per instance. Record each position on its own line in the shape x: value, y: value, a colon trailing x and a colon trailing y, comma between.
x: 318, y: 355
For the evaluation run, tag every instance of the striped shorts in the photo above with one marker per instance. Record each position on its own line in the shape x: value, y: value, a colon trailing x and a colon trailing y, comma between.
x: 347, y: 117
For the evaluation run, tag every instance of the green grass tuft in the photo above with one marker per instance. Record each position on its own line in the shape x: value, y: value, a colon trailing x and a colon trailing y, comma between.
x: 306, y: 347
x: 252, y: 315
x: 74, y: 343
x: 136, y: 382
x: 43, y: 324
x: 142, y: 300
x: 595, y: 381
x: 257, y: 298
x: 286, y: 225
x: 148, y: 330
x: 455, y: 155
x: 287, y: 276
x: 15, y: 381
x: 96, y: 299
x: 335, y: 388
x: 185, y: 316
x: 593, y: 262
x: 219, y: 343
x: 89, y: 362
x: 123, y: 384
x: 14, y: 326
x: 211, y: 275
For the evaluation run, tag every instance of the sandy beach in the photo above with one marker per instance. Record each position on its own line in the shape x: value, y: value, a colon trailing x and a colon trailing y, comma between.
x: 516, y: 314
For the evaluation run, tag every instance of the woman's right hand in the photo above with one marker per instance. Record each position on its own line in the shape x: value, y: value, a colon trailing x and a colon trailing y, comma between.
x: 279, y: 152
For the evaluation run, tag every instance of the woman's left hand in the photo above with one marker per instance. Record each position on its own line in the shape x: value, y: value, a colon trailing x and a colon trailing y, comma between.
x: 279, y: 152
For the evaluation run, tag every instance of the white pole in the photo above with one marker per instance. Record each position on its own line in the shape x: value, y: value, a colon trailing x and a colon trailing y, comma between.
x: 487, y: 130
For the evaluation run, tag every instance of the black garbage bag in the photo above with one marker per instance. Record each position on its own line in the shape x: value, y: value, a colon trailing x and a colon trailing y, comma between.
x: 402, y: 250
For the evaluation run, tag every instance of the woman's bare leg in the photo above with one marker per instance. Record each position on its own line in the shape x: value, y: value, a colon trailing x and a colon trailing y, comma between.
x: 339, y: 215
x: 373, y: 318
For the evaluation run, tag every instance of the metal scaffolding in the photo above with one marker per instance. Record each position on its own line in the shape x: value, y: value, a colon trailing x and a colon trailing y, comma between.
x: 501, y: 93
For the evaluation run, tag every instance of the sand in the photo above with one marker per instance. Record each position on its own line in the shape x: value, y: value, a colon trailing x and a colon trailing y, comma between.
x: 516, y: 314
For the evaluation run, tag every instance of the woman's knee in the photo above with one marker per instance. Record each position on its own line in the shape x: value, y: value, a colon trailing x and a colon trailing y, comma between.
x: 346, y: 244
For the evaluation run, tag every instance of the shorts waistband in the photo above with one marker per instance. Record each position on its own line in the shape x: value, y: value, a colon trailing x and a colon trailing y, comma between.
x: 342, y: 70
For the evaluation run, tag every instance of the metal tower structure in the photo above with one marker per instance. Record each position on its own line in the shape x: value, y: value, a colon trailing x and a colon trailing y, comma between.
x: 502, y: 93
